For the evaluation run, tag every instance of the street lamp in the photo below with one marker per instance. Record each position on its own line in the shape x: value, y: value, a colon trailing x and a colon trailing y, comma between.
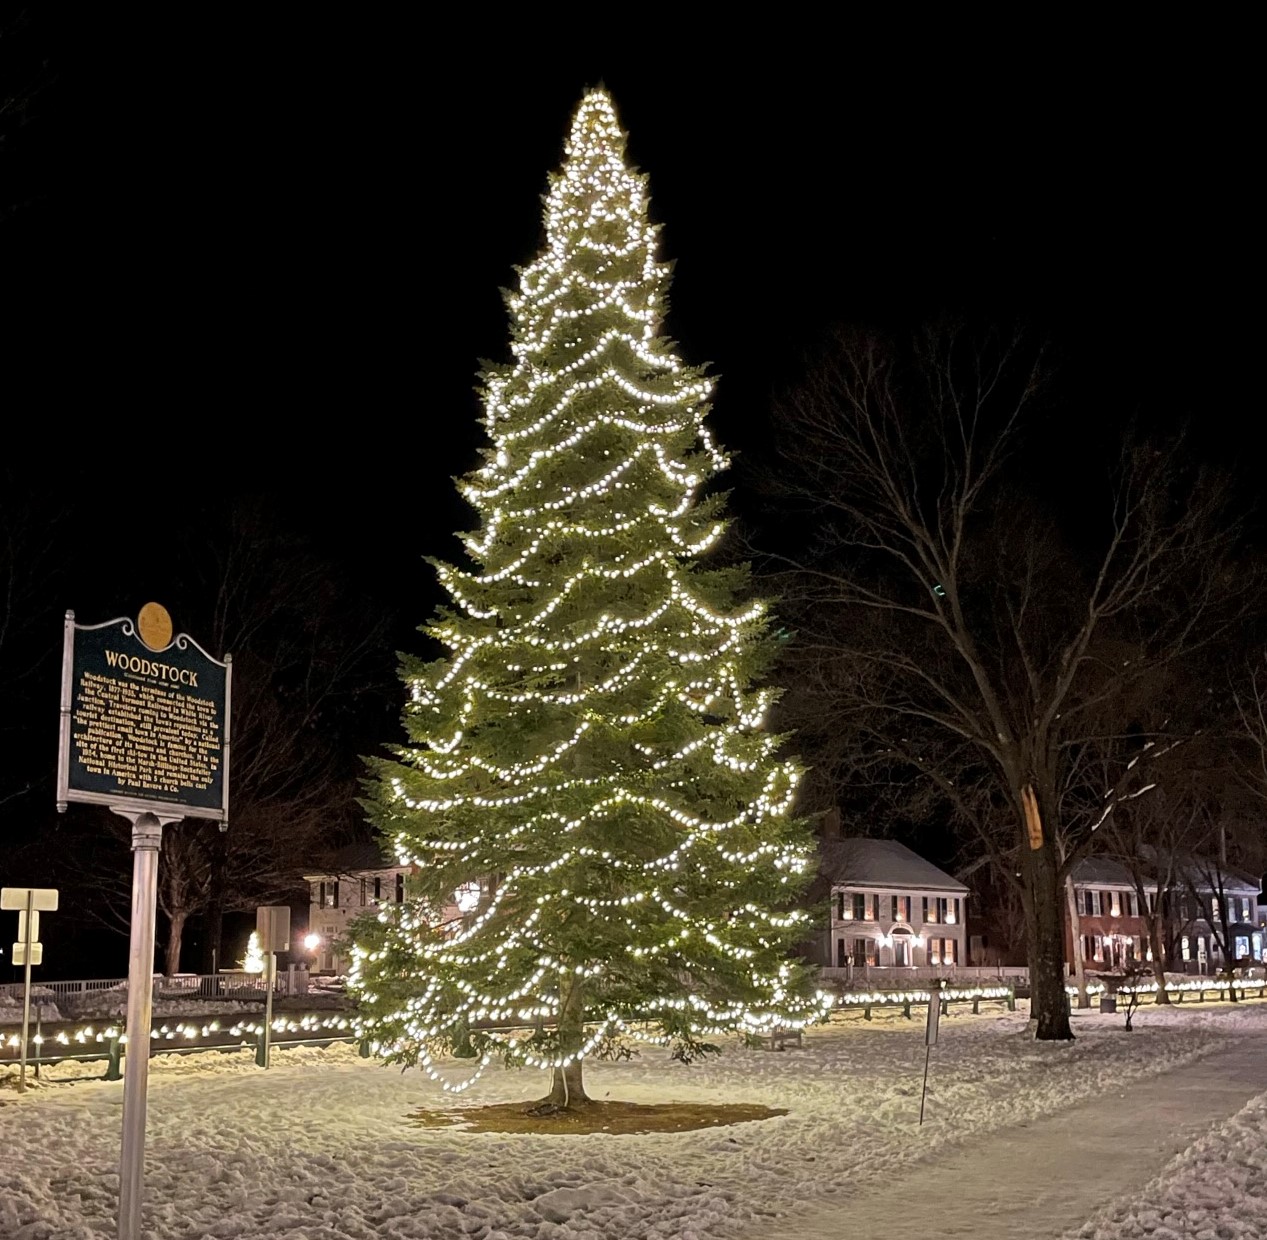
x: 312, y: 942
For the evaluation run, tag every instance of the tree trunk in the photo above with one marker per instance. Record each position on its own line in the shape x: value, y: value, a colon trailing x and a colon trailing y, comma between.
x: 1159, y: 958
x: 176, y: 931
x: 567, y: 1089
x: 1045, y: 924
x: 213, y: 959
x: 1075, y: 937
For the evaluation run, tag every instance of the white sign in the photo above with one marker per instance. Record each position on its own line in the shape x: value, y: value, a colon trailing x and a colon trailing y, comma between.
x: 934, y: 1018
x: 272, y: 924
x: 19, y: 953
x: 14, y: 899
x: 34, y: 936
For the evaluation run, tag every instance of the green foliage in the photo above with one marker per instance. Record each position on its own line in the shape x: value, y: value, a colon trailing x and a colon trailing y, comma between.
x: 587, y: 769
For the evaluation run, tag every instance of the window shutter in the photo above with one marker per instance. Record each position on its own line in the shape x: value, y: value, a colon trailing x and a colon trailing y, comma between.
x: 926, y: 910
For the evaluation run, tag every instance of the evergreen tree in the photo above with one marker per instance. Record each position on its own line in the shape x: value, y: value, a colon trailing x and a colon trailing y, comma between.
x: 589, y: 758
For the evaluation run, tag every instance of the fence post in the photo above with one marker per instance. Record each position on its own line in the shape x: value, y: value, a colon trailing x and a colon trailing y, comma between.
x: 906, y: 1009
x: 976, y: 1005
x: 364, y: 1048
x: 114, y: 1069
x: 1011, y: 997
x: 261, y: 1046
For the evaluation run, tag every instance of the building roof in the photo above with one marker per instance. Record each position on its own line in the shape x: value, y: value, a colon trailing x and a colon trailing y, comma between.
x: 353, y: 859
x: 1201, y: 872
x: 1092, y: 870
x: 862, y: 862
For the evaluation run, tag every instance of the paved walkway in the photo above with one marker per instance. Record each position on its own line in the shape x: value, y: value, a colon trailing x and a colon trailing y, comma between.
x: 1040, y: 1179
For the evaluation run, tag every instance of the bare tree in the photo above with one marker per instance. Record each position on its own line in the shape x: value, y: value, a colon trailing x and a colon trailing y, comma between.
x: 305, y: 653
x: 968, y: 646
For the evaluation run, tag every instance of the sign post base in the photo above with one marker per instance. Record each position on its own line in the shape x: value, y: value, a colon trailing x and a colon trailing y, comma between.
x: 147, y: 839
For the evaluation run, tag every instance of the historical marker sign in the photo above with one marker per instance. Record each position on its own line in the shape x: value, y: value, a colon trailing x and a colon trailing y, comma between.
x: 144, y: 726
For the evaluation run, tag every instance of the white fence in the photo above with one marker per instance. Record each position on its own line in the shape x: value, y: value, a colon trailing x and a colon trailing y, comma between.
x: 234, y: 985
x: 896, y: 975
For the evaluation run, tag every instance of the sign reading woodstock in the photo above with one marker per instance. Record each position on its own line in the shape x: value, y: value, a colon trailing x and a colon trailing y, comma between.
x: 145, y: 718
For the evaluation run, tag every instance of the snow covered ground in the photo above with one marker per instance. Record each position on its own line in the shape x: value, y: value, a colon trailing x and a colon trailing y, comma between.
x: 1215, y: 1190
x: 320, y: 1147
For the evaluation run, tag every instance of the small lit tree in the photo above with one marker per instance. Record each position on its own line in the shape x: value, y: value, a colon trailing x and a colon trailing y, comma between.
x: 589, y: 762
x: 253, y: 961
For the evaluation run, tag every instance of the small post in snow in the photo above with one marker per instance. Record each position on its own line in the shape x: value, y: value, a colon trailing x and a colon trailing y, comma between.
x: 930, y: 1038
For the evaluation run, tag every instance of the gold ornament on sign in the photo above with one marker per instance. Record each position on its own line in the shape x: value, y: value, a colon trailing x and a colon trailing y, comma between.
x: 155, y: 626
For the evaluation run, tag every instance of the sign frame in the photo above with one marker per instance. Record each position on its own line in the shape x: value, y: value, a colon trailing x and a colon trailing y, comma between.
x: 127, y: 804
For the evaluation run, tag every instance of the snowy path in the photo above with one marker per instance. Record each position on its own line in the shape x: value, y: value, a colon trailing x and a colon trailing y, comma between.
x: 1041, y: 1179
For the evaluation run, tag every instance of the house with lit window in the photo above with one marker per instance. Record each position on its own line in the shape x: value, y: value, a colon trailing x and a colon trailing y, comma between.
x: 891, y: 912
x: 1112, y: 927
x: 357, y: 880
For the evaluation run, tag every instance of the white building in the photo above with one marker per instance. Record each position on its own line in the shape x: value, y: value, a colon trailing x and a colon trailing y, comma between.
x: 891, y: 910
x: 358, y: 879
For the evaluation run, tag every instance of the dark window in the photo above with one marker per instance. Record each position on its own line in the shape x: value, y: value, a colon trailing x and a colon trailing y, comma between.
x: 958, y: 913
x: 841, y: 958
x: 1087, y: 898
x: 378, y: 886
x: 925, y: 909
x: 336, y: 895
x: 893, y: 908
x: 860, y: 952
x: 321, y: 900
x: 400, y: 888
x: 859, y: 907
x: 840, y: 907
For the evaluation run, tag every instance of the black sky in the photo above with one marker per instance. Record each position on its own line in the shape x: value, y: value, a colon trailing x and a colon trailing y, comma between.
x: 265, y: 257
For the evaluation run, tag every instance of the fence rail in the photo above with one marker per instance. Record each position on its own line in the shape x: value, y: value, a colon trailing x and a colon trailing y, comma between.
x: 229, y: 985
x: 896, y: 975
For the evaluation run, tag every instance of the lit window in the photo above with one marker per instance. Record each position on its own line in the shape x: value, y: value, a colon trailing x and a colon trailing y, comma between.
x: 1184, y: 948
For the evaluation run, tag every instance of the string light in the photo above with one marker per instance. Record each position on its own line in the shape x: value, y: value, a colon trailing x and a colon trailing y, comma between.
x: 589, y: 764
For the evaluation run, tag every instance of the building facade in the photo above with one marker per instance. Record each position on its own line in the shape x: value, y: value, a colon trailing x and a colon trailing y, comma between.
x: 890, y: 910
x: 1112, y: 927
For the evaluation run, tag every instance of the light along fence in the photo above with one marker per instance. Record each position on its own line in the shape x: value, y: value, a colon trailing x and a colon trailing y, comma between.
x: 109, y: 1043
x: 1177, y: 990
x: 908, y: 998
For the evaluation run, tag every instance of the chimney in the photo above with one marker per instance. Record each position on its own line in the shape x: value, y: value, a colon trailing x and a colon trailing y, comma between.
x: 831, y: 824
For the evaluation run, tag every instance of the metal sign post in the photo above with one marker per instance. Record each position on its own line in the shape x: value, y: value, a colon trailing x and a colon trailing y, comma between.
x: 930, y: 1038
x: 145, y: 731
x: 28, y: 950
x: 272, y: 924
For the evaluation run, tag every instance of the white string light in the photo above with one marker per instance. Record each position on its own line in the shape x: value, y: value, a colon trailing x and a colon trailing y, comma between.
x: 591, y: 753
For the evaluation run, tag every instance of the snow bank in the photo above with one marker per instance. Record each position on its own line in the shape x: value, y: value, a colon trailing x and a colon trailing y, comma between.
x: 1215, y: 1190
x: 321, y: 1147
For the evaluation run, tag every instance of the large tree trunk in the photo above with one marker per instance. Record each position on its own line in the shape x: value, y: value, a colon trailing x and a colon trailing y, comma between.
x: 1159, y: 956
x: 176, y: 931
x: 566, y: 1088
x: 1045, y: 923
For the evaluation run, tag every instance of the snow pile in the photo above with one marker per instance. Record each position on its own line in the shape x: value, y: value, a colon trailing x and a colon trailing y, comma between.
x: 321, y: 1147
x: 42, y: 1004
x: 1216, y: 1189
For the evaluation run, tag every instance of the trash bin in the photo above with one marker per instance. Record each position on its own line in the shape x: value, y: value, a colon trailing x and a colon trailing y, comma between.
x: 1108, y: 1003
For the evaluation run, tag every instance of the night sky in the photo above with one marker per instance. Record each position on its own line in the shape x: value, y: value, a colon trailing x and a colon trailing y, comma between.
x: 267, y: 258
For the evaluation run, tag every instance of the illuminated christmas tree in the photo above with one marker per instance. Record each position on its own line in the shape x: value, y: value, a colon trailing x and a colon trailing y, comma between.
x: 587, y: 767
x: 253, y: 961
